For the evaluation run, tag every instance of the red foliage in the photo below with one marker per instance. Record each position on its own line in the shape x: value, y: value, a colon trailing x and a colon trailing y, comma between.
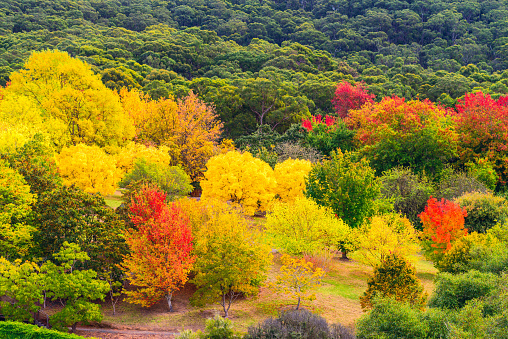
x: 443, y: 223
x: 348, y: 97
x: 482, y: 124
x: 309, y: 124
x: 160, y: 258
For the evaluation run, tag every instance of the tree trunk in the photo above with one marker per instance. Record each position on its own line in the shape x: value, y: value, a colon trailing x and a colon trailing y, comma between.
x: 168, y: 298
x: 344, y: 255
x: 298, y: 305
x: 73, y: 328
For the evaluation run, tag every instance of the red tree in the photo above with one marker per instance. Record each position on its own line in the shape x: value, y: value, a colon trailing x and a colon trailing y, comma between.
x: 160, y: 259
x: 348, y: 97
x: 443, y: 224
x: 482, y: 125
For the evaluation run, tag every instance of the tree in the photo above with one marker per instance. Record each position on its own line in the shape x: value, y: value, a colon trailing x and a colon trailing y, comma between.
x: 348, y: 97
x: 160, y: 249
x: 89, y: 168
x: 126, y: 156
x: 240, y: 178
x: 231, y: 259
x: 443, y: 223
x: 290, y: 177
x: 15, y: 206
x: 383, y: 235
x: 329, y: 134
x: 394, y: 278
x: 297, y: 277
x: 73, y: 102
x: 302, y: 226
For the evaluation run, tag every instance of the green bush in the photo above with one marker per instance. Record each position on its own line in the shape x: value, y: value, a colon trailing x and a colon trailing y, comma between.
x: 17, y: 330
x: 484, y: 210
x: 483, y: 170
x: 215, y: 328
x: 453, y: 291
x: 456, y: 184
x: 489, y: 259
x: 408, y: 192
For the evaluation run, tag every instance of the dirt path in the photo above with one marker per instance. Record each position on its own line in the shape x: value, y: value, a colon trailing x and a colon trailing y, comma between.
x: 124, y: 334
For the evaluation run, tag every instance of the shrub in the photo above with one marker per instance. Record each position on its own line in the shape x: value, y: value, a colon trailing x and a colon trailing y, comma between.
x: 408, y: 191
x: 292, y: 150
x: 328, y: 135
x: 297, y: 324
x: 453, y: 291
x: 457, y: 184
x: 395, y: 278
x: 215, y: 328
x: 17, y: 330
x: 484, y: 210
x: 489, y: 258
x: 483, y: 170
x: 458, y: 257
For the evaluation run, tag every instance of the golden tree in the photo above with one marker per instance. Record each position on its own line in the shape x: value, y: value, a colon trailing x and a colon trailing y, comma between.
x: 290, y: 176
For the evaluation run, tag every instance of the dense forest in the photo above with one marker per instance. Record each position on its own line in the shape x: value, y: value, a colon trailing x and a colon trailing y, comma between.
x: 294, y: 51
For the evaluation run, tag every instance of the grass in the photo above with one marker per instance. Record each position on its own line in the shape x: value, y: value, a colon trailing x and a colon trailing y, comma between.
x: 114, y: 200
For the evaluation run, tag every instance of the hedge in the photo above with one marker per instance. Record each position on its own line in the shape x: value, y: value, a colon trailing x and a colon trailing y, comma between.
x: 17, y: 330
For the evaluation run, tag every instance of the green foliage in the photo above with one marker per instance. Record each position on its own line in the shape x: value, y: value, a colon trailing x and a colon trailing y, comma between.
x: 408, y: 192
x: 215, y: 328
x: 454, y: 185
x: 484, y: 211
x: 326, y: 139
x: 453, y: 291
x: 483, y: 170
x: 394, y: 278
x: 346, y: 186
x: 17, y: 330
x: 171, y: 179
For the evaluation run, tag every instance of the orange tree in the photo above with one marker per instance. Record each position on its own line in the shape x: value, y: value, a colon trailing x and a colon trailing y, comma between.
x: 160, y: 249
x: 443, y: 224
x: 395, y: 132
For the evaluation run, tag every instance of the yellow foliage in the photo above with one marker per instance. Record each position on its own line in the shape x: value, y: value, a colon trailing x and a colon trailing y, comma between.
x: 195, y: 210
x: 303, y: 226
x: 127, y: 155
x: 89, y: 168
x: 297, y: 277
x: 240, y: 178
x: 63, y: 96
x: 384, y: 235
x: 290, y: 176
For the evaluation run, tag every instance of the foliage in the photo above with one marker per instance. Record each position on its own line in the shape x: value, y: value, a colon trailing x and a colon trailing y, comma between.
x: 409, y: 192
x: 328, y: 135
x: 491, y: 257
x: 291, y: 150
x: 457, y: 184
x: 484, y: 211
x: 126, y: 156
x: 297, y: 278
x: 226, y: 238
x: 346, y: 186
x: 392, y: 320
x: 159, y: 260
x: 73, y: 103
x: 171, y: 179
x: 89, y: 168
x: 395, y: 132
x: 290, y: 177
x: 348, y: 97
x: 453, y: 291
x: 298, y: 323
x: 394, y: 278
x: 15, y: 330
x: 443, y: 224
x: 215, y: 328
x: 69, y: 214
x: 303, y: 226
x: 483, y: 170
x: 240, y: 178
x: 15, y: 205
x: 383, y: 235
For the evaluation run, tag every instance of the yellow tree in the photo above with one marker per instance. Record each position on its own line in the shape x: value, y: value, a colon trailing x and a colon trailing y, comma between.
x: 240, y: 178
x: 297, y: 278
x: 126, y: 156
x: 74, y: 104
x: 290, y: 176
x: 89, y: 168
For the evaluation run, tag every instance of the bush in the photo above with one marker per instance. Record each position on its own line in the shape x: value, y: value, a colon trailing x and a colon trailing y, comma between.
x: 408, y: 191
x: 483, y: 170
x: 215, y: 328
x: 397, y: 279
x: 292, y: 150
x: 484, y: 210
x: 457, y: 184
x: 298, y: 324
x: 491, y: 258
x: 457, y: 258
x: 16, y: 330
x: 453, y: 291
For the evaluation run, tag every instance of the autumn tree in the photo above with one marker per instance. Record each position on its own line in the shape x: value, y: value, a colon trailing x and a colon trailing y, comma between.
x: 443, y: 224
x: 89, y: 168
x: 348, y: 97
x: 231, y: 260
x: 127, y: 155
x: 346, y: 186
x: 240, y: 178
x: 394, y: 278
x: 297, y: 278
x: 72, y: 103
x: 160, y: 249
x: 302, y: 226
x: 328, y: 134
x: 290, y: 177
